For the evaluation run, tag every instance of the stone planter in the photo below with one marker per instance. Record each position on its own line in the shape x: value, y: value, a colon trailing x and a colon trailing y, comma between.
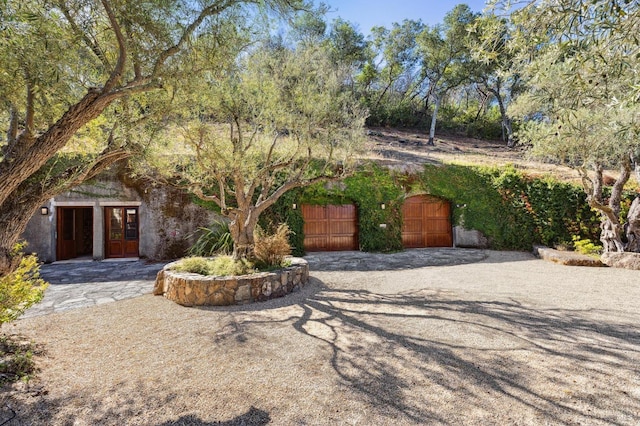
x: 189, y: 289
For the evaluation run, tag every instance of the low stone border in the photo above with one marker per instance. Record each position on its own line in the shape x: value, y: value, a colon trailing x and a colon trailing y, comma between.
x: 569, y: 258
x: 189, y: 289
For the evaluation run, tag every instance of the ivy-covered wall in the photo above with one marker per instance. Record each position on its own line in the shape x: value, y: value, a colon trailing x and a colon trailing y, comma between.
x: 368, y: 189
x: 513, y: 210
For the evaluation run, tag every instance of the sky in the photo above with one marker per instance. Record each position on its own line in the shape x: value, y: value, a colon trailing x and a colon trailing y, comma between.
x: 369, y: 13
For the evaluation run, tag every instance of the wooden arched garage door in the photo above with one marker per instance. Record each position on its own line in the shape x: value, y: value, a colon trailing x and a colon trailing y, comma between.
x: 330, y: 228
x: 426, y: 222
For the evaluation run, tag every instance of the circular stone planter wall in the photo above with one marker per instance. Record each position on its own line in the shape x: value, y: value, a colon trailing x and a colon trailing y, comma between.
x: 189, y: 289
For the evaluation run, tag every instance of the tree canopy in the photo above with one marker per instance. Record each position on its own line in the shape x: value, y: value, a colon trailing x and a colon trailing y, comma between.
x: 273, y: 120
x: 77, y: 83
x: 581, y: 63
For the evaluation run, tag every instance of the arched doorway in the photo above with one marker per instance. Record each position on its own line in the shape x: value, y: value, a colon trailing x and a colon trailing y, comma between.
x: 426, y: 222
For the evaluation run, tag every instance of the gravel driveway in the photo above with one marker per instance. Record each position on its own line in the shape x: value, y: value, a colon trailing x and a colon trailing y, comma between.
x: 508, y: 339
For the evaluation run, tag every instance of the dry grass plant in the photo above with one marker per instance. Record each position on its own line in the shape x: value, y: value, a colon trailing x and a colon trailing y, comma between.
x: 272, y: 250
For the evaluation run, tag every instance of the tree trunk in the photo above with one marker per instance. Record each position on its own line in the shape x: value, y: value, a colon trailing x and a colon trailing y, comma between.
x: 633, y: 226
x: 242, y: 228
x: 14, y: 217
x: 18, y: 208
x: 611, y: 229
x: 610, y: 232
x: 434, y: 117
x: 506, y: 121
x: 28, y: 156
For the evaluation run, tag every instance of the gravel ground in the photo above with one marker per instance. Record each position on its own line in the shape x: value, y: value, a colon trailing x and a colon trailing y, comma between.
x: 507, y: 340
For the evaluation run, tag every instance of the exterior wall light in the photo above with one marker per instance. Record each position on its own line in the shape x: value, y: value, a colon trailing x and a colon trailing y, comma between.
x: 44, y: 211
x: 295, y: 206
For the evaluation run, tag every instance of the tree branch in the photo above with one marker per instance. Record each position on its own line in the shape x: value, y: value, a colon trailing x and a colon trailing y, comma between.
x: 118, y: 70
x: 30, y: 110
x: 211, y: 10
x: 95, y: 48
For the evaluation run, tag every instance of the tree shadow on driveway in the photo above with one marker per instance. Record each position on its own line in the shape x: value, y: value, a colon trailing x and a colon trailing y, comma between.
x: 426, y: 357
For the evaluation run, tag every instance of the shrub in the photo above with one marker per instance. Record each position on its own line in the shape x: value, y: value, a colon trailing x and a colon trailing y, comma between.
x: 17, y: 359
x: 586, y: 246
x: 22, y: 288
x: 221, y: 265
x: 271, y: 250
x: 214, y: 239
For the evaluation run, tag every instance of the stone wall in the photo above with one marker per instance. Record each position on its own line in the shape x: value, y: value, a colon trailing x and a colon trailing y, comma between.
x: 197, y: 290
x: 469, y: 238
x: 168, y: 217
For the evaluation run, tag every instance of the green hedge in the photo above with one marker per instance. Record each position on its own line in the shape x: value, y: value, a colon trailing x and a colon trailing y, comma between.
x: 514, y: 211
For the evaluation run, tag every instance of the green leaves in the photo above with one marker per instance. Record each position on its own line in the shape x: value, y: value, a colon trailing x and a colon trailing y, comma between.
x: 20, y: 289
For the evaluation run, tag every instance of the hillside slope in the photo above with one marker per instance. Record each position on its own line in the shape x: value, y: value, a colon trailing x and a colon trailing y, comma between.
x: 407, y: 150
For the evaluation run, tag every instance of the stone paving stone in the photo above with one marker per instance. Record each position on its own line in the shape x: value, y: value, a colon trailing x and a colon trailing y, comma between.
x: 82, y: 284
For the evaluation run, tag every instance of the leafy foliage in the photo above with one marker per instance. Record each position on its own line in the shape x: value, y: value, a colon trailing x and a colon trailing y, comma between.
x: 214, y: 239
x: 581, y: 61
x: 586, y: 246
x: 22, y: 288
x: 218, y: 266
x: 273, y: 120
x: 514, y: 211
x: 368, y: 189
x: 16, y: 359
x: 283, y: 212
x: 98, y: 79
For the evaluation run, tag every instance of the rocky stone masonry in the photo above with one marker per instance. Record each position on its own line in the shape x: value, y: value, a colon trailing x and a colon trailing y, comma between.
x: 189, y: 289
x: 622, y: 260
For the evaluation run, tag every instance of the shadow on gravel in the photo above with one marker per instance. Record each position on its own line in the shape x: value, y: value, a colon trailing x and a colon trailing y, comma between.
x: 427, y: 358
x: 39, y: 409
x: 253, y: 417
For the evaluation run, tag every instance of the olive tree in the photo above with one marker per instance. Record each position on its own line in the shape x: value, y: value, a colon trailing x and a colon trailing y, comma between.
x: 445, y: 57
x: 581, y: 61
x: 273, y: 120
x: 76, y: 82
x: 492, y: 65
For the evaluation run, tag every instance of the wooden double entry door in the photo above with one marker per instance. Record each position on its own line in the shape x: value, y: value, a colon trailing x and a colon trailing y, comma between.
x: 121, y: 232
x: 75, y: 232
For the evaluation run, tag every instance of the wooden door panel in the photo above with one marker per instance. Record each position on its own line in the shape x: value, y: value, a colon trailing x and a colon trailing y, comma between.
x: 426, y: 222
x: 341, y: 227
x: 131, y: 248
x: 330, y: 228
x: 413, y: 240
x: 313, y: 213
x: 439, y: 240
x: 66, y: 229
x: 316, y: 228
x: 338, y: 243
x: 115, y: 249
x: 316, y: 243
